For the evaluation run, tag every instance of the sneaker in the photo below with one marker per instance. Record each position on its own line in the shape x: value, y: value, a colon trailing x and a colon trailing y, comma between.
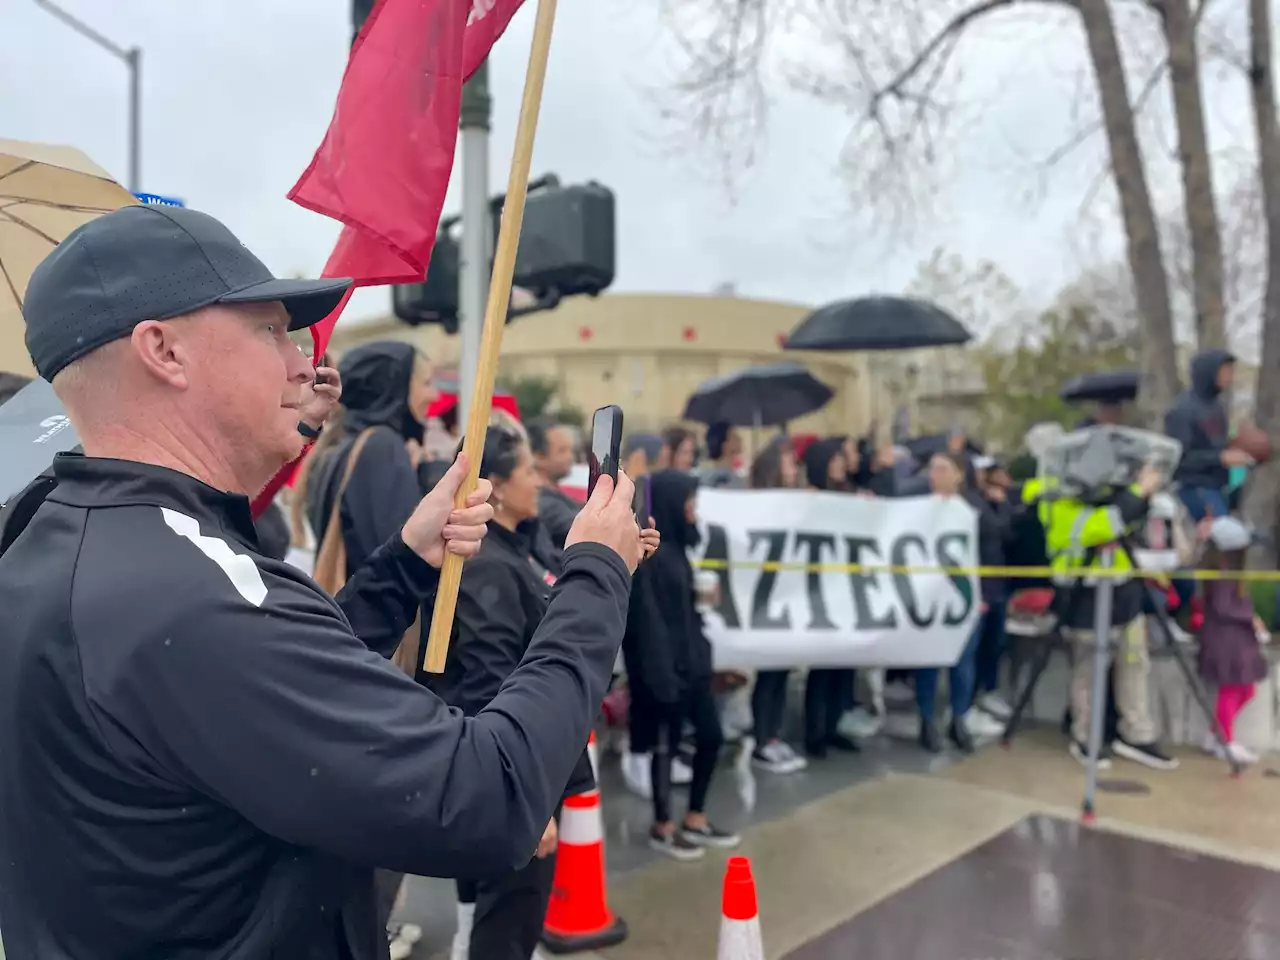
x: 995, y: 705
x: 982, y: 724
x: 675, y: 845
x: 636, y: 774
x: 398, y: 949
x: 777, y: 757
x: 411, y: 933
x: 860, y: 723
x: 1147, y: 754
x: 681, y: 772
x: 1237, y: 753
x: 1081, y: 752
x: 710, y: 836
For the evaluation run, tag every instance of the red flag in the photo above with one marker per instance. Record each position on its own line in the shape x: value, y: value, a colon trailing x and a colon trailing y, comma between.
x: 383, y: 167
x: 384, y: 164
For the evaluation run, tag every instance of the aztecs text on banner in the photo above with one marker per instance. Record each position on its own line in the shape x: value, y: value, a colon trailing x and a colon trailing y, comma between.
x: 785, y: 597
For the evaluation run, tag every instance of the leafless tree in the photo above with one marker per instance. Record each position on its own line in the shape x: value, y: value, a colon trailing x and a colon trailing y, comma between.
x: 1180, y: 22
x: 1262, y: 505
x: 890, y: 64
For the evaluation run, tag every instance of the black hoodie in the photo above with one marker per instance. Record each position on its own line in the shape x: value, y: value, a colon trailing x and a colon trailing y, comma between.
x: 384, y: 488
x: 1198, y: 421
x: 666, y: 649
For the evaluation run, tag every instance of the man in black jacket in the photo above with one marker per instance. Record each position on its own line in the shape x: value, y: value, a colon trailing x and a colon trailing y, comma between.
x: 552, y: 446
x: 202, y: 754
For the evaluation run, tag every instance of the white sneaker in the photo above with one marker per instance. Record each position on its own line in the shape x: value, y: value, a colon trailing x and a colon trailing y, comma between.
x: 636, y: 774
x: 859, y: 724
x: 411, y: 933
x: 681, y: 772
x: 996, y: 705
x: 982, y: 724
x: 399, y: 949
x: 778, y: 757
x: 1237, y: 753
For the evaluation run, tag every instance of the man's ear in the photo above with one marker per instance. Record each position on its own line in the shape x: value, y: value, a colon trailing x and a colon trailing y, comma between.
x: 156, y: 345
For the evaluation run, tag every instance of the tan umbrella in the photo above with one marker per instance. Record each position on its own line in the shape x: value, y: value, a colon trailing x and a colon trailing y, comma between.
x: 45, y: 193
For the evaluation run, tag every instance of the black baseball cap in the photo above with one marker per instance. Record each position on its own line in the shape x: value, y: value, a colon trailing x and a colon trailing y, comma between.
x: 150, y: 263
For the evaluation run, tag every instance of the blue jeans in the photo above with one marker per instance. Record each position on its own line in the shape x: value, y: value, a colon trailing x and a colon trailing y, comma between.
x: 961, y: 680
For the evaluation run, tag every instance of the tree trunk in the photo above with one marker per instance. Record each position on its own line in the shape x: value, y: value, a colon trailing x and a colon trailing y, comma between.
x: 1197, y: 178
x: 1262, y: 504
x: 1159, y: 383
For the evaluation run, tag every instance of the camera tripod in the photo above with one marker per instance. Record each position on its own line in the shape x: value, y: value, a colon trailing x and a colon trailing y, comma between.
x: 1104, y: 594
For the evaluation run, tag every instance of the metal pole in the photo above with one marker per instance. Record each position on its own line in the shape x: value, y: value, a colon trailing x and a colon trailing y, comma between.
x: 1103, y: 596
x: 135, y: 119
x: 132, y: 58
x: 477, y: 226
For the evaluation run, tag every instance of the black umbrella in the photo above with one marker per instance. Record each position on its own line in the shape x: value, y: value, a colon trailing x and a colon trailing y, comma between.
x: 758, y: 396
x: 1112, y: 386
x: 877, y: 323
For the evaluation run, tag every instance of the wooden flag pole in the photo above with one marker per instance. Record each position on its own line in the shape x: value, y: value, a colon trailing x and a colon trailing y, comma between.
x: 495, y: 321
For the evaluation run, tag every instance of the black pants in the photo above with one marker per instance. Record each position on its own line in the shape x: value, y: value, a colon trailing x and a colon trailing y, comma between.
x: 699, y: 708
x: 827, y: 695
x: 510, y: 910
x: 643, y: 717
x: 388, y: 884
x: 769, y: 704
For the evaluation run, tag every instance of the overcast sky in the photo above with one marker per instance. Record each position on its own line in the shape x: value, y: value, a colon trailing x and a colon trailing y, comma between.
x: 237, y: 95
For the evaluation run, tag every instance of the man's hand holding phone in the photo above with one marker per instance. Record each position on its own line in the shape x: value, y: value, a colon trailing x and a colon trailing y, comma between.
x: 608, y: 518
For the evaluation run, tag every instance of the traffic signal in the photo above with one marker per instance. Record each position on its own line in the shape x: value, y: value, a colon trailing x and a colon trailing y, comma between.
x: 567, y: 245
x: 436, y: 299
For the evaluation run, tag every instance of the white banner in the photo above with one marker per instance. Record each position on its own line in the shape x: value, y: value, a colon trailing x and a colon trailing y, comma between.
x: 792, y: 616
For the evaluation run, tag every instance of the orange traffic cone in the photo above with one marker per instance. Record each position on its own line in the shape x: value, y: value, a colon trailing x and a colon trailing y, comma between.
x: 739, y: 917
x: 578, y: 915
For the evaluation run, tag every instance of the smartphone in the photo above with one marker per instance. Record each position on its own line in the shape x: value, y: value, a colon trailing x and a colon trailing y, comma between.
x: 642, y: 503
x: 606, y: 445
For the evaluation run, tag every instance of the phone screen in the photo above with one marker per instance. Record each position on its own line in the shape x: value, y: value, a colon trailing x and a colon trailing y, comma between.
x: 606, y: 440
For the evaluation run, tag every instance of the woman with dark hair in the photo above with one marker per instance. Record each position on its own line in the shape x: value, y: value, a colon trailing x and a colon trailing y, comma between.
x: 504, y: 593
x: 828, y: 692
x: 679, y: 449
x: 774, y: 468
x: 672, y: 681
x: 946, y: 479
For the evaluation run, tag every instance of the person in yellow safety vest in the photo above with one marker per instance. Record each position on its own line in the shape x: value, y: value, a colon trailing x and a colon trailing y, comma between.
x: 1075, y: 532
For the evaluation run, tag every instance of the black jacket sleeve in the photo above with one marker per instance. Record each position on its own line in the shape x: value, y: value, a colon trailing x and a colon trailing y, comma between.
x: 277, y: 711
x: 383, y: 596
x: 381, y: 494
x: 883, y: 483
x: 1199, y: 453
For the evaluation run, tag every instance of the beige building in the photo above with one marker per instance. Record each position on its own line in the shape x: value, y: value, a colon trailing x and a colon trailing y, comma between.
x: 648, y: 352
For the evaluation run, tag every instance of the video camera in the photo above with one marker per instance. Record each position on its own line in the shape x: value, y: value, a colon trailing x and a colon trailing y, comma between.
x: 1092, y: 465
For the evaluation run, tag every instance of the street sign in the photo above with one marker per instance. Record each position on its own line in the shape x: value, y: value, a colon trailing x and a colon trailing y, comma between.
x: 155, y: 200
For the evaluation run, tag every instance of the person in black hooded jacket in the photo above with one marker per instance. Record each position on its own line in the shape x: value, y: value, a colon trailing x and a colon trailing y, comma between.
x: 386, y: 389
x: 670, y: 667
x: 828, y: 692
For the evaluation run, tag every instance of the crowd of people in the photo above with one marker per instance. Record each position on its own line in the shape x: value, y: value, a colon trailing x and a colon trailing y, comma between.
x: 206, y: 743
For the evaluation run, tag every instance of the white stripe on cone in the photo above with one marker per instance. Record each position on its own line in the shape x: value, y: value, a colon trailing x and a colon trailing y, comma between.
x: 594, y: 757
x: 581, y: 827
x: 740, y: 940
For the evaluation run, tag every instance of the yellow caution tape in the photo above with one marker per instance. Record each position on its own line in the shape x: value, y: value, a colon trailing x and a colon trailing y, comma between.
x: 1009, y: 573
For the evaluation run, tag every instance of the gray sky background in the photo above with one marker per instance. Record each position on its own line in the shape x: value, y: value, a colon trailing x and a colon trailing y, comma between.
x: 237, y: 95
